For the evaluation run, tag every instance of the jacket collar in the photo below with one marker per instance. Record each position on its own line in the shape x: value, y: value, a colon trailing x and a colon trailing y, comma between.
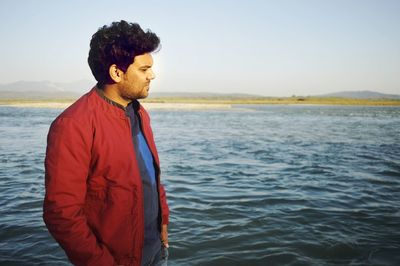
x: 135, y: 103
x: 108, y: 100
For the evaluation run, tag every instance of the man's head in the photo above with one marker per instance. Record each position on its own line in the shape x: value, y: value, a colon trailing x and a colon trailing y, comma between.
x: 122, y: 48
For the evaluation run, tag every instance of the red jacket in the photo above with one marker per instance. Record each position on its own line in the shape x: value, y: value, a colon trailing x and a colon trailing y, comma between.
x: 94, y: 200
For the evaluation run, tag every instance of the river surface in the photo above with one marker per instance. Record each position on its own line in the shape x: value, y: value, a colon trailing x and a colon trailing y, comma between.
x: 254, y: 185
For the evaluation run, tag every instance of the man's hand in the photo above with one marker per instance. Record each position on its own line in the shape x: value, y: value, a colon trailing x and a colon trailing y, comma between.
x: 164, y: 235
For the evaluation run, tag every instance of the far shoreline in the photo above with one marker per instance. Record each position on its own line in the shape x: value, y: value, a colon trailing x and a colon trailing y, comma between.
x: 209, y: 103
x: 149, y: 106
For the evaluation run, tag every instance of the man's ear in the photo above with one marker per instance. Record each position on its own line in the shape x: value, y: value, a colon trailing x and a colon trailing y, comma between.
x: 115, y: 73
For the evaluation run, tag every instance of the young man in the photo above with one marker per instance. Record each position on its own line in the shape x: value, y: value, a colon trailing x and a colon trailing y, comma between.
x: 104, y: 202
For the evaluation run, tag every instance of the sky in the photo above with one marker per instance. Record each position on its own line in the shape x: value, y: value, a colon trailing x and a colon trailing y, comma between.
x: 270, y: 48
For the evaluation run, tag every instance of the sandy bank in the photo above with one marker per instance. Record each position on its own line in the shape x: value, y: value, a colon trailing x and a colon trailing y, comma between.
x: 191, y: 106
x: 149, y: 106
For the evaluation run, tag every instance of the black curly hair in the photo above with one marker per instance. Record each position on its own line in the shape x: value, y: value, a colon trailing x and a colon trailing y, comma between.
x: 118, y: 44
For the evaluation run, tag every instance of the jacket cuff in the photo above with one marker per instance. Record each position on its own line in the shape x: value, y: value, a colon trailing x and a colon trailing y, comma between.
x: 165, y: 220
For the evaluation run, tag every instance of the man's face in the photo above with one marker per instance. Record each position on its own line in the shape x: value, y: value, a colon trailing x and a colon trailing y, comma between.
x: 135, y: 83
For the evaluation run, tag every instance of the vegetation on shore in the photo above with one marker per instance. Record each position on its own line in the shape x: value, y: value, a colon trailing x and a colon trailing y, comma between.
x: 233, y: 100
x: 277, y: 100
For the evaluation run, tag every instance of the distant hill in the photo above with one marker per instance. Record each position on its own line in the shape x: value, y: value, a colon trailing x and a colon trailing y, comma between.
x: 360, y: 95
x: 37, y: 90
x: 43, y: 90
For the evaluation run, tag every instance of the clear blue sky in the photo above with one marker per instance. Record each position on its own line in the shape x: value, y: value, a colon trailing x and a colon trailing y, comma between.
x: 276, y: 48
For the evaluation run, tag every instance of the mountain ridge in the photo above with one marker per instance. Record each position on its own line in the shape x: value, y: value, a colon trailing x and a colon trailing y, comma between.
x: 362, y: 94
x: 50, y: 90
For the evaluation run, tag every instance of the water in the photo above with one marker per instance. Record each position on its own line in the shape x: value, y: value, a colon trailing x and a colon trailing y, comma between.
x: 255, y: 185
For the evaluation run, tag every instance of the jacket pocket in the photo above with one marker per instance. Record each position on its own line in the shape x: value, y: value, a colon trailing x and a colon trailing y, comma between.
x: 116, y: 221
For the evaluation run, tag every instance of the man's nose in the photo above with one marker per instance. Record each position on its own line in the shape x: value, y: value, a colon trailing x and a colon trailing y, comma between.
x: 151, y: 75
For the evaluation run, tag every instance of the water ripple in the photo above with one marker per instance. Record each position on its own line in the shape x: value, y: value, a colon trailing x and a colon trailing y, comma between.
x: 280, y: 185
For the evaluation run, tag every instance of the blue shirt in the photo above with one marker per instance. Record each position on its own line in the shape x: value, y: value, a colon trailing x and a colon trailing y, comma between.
x: 152, y: 243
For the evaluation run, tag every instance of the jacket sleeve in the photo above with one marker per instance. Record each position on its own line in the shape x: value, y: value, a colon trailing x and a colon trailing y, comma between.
x: 67, y: 164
